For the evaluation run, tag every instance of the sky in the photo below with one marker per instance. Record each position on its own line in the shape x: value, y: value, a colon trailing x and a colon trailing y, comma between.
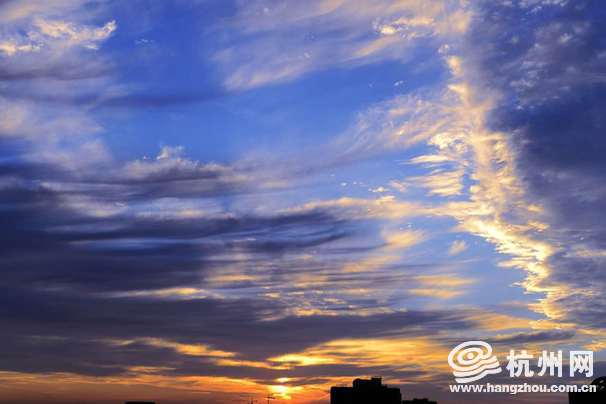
x: 212, y: 201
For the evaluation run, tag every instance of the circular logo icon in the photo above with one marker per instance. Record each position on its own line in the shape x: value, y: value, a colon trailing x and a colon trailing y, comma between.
x: 472, y: 360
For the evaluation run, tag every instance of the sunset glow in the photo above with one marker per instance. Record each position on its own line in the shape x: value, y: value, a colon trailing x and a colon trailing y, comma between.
x: 223, y: 201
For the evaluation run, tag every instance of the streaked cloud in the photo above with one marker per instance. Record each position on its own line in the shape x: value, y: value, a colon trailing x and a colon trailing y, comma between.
x: 285, y: 42
x: 146, y: 259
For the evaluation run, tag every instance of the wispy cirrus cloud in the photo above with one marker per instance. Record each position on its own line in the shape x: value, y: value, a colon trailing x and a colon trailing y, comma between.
x: 491, y: 146
x: 183, y: 273
x: 507, y: 100
x: 550, y: 91
x: 283, y: 42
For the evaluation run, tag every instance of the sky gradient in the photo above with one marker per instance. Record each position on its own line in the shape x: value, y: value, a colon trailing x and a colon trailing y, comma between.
x: 208, y: 201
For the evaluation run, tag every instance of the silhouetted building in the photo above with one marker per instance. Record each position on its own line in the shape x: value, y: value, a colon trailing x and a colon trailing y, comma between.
x: 419, y: 401
x: 366, y: 392
x: 599, y: 397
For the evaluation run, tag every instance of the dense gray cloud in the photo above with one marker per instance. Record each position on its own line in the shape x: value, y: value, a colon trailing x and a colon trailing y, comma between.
x: 546, y: 61
x: 46, y: 240
x: 71, y: 277
x: 86, y: 257
x: 534, y: 337
x: 87, y: 261
x: 56, y: 323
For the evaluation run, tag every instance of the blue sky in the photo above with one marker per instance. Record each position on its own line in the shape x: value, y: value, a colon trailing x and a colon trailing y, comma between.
x: 225, y: 199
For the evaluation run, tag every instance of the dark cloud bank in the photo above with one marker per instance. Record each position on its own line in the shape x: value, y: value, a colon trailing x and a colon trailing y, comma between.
x: 548, y: 63
x: 66, y: 275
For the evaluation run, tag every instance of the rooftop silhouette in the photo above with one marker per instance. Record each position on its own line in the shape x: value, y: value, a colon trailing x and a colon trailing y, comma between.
x: 139, y: 402
x: 365, y: 392
x: 591, y: 398
x: 371, y: 391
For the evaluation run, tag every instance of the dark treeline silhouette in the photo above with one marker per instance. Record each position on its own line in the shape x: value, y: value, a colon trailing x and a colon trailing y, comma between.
x: 370, y: 392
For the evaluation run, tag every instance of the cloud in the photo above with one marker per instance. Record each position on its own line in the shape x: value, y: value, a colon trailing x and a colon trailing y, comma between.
x: 16, y: 11
x: 126, y: 275
x: 139, y: 272
x: 534, y: 337
x: 71, y: 33
x: 52, y: 50
x: 514, y: 139
x: 182, y: 272
x: 435, y: 293
x: 442, y: 286
x: 182, y: 331
x: 52, y: 36
x: 404, y: 239
x: 457, y: 247
x: 112, y: 98
x: 26, y: 121
x: 10, y: 47
x: 281, y: 43
x: 547, y: 74
x: 58, y: 35
x: 169, y: 165
x: 521, y: 128
x: 441, y: 182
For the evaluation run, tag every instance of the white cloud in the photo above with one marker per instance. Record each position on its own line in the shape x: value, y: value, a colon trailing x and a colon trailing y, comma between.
x: 16, y: 12
x: 54, y: 36
x: 285, y: 41
x: 402, y: 122
x: 50, y: 26
x: 441, y: 182
x: 170, y: 163
x: 457, y: 247
x: 10, y: 47
x: 41, y: 41
x: 72, y: 34
x: 28, y: 120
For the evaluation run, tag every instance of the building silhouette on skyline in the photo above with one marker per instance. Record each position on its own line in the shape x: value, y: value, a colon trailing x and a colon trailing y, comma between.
x: 366, y: 391
x: 597, y: 397
x: 139, y: 402
x: 373, y: 391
